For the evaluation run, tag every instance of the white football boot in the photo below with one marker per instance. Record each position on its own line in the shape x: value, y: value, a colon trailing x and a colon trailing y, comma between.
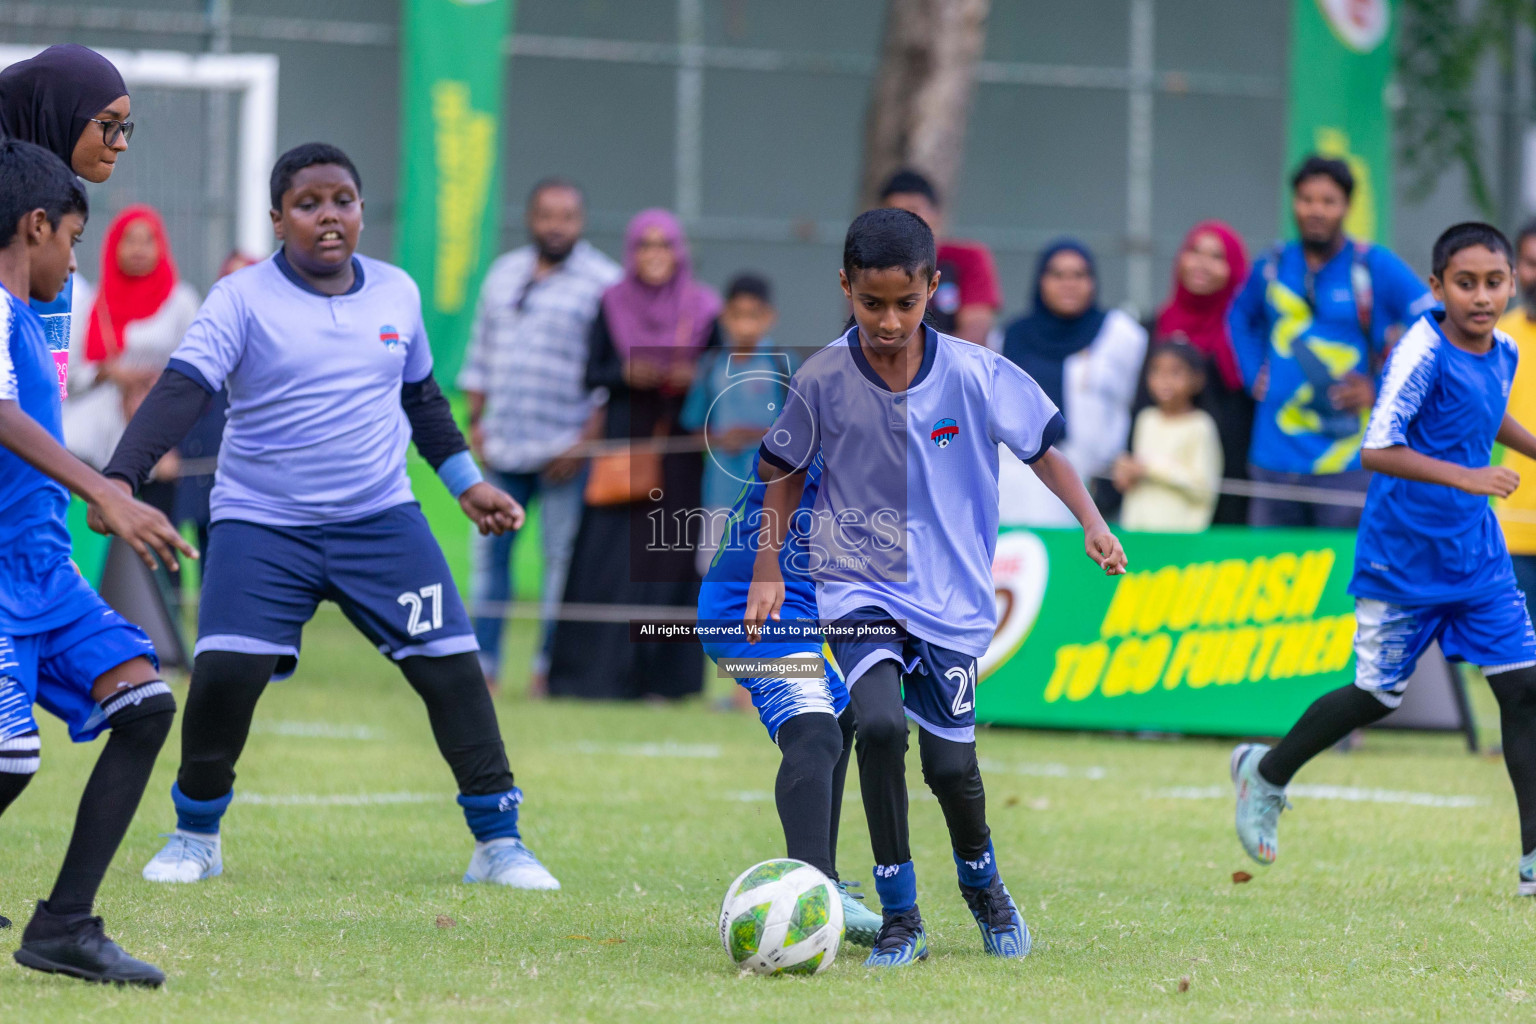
x: 509, y: 862
x: 186, y: 857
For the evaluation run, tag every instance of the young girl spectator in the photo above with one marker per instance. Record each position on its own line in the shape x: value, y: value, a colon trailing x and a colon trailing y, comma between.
x: 1170, y: 476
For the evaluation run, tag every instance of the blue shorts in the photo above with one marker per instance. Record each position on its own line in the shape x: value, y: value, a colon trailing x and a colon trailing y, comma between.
x: 938, y: 685
x: 776, y: 699
x: 57, y: 668
x: 1493, y: 633
x: 263, y: 583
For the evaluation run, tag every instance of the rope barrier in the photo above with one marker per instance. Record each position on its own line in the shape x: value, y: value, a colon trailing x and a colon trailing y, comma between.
x: 696, y: 443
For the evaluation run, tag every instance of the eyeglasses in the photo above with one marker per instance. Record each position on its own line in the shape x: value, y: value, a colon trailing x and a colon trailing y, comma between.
x: 111, y: 129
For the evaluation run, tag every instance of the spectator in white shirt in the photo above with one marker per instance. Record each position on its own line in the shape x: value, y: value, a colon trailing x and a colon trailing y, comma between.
x: 528, y: 404
x: 1087, y: 360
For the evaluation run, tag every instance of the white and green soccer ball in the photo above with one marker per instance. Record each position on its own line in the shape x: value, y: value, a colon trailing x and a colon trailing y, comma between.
x: 782, y: 917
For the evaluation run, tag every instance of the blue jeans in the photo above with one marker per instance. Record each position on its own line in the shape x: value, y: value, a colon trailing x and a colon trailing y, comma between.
x: 491, y: 557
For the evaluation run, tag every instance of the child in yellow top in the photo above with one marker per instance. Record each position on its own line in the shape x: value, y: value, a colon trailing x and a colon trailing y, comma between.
x: 1169, y: 477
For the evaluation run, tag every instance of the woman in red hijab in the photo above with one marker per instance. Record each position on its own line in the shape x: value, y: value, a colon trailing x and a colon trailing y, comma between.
x: 140, y: 312
x: 1210, y: 269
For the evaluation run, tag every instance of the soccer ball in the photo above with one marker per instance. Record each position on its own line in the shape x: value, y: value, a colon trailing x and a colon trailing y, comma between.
x: 782, y: 917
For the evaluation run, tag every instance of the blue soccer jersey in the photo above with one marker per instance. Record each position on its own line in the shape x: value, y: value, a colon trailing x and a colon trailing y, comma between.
x: 316, y: 433
x: 35, y: 570
x: 723, y: 603
x: 732, y: 564
x: 906, y: 514
x: 1424, y: 544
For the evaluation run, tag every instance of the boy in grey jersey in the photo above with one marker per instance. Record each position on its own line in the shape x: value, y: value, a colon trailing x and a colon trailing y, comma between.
x: 908, y: 421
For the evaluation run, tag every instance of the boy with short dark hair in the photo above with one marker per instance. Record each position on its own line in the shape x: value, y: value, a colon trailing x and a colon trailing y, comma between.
x: 1430, y: 561
x: 61, y: 646
x: 329, y: 375
x: 907, y: 422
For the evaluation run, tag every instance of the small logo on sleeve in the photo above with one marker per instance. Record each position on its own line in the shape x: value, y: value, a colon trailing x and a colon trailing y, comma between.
x: 389, y: 336
x: 945, y: 431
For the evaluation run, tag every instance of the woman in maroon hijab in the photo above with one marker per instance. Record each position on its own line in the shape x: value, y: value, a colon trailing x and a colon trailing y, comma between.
x: 632, y: 548
x: 1210, y: 269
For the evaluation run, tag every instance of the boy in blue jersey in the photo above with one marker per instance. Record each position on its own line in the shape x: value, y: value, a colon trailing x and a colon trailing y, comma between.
x: 806, y: 717
x: 1430, y: 561
x: 329, y: 377
x: 907, y: 422
x: 61, y: 646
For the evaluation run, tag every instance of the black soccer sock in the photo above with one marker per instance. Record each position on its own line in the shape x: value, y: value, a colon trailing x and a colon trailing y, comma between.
x: 839, y: 782
x: 463, y: 720
x: 1516, y: 691
x: 951, y: 771
x: 880, y: 725
x: 19, y: 757
x: 1331, y: 717
x: 220, y: 705
x: 811, y: 745
x: 140, y: 719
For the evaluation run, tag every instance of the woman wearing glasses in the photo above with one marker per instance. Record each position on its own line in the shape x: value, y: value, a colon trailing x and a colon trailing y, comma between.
x: 70, y: 100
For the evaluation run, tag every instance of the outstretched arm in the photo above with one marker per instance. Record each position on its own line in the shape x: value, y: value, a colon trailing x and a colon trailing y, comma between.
x: 144, y: 528
x: 1057, y: 474
x: 1401, y: 461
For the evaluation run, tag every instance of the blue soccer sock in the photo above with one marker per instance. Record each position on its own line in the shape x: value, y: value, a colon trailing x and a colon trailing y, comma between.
x: 200, y: 816
x: 896, y: 885
x: 493, y: 815
x: 978, y: 873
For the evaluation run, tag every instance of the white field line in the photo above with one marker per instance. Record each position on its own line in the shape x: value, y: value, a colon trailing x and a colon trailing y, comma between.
x: 665, y: 749
x: 1349, y: 794
x: 1049, y: 770
x: 338, y: 799
x: 318, y: 730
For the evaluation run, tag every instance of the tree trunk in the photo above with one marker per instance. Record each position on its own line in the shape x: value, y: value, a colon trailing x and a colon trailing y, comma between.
x: 921, y: 96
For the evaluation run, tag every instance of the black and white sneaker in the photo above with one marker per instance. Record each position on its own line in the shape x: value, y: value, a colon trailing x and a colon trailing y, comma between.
x: 78, y: 947
x: 5, y: 922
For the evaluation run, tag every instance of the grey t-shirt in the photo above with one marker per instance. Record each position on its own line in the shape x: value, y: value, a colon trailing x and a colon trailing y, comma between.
x: 316, y: 433
x: 906, y: 518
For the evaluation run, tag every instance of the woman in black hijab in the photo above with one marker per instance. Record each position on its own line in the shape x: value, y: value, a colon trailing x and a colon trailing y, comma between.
x: 70, y: 100
x: 1087, y: 360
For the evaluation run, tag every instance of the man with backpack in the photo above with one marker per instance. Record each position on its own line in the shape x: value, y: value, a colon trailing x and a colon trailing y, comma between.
x: 1311, y: 328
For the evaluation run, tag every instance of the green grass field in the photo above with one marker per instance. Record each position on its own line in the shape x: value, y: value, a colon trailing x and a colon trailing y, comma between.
x: 341, y: 901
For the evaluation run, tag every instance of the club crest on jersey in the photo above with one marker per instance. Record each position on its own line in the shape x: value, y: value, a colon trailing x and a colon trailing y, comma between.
x: 389, y: 336
x: 945, y: 431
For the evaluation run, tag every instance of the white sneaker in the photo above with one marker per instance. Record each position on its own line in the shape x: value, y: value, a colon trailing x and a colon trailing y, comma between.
x: 508, y: 862
x: 186, y: 857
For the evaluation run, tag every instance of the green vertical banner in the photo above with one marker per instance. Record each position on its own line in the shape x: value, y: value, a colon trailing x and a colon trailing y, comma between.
x: 1341, y: 66
x: 450, y: 159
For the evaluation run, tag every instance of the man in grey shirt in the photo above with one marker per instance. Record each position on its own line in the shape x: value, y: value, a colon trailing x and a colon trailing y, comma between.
x: 528, y: 404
